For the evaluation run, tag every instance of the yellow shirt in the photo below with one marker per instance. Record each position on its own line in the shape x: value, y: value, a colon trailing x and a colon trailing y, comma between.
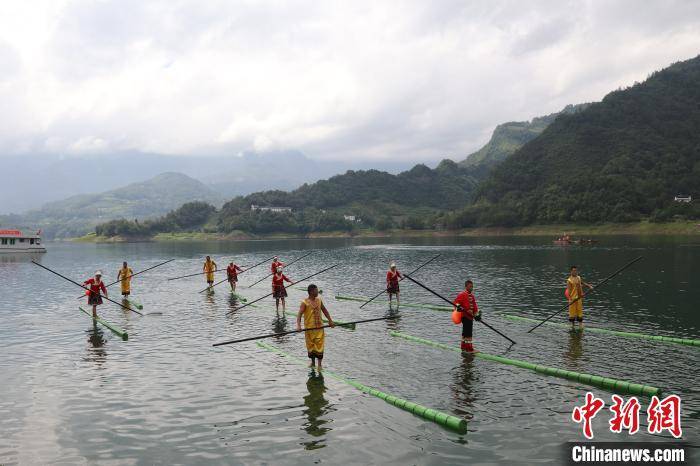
x: 125, y: 278
x: 313, y: 315
x: 209, y: 268
x: 574, y: 286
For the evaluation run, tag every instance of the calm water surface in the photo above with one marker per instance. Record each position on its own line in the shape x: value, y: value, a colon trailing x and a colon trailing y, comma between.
x: 74, y: 393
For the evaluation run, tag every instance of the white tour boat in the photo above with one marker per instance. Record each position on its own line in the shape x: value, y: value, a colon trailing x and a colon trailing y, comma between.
x: 16, y: 241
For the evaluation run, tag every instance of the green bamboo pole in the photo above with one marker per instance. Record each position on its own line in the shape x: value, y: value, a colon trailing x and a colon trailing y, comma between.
x: 606, y: 383
x: 445, y: 420
x: 119, y: 332
x: 419, y: 306
x: 133, y: 302
x: 680, y: 341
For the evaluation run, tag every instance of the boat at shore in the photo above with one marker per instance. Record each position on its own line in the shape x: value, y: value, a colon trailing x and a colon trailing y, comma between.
x: 15, y: 241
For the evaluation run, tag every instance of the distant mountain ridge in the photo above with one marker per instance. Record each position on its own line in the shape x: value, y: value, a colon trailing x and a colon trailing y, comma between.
x: 79, y: 214
x: 30, y: 181
x: 507, y: 138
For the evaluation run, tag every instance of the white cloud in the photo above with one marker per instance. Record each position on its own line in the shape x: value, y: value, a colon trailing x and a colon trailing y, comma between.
x: 405, y: 79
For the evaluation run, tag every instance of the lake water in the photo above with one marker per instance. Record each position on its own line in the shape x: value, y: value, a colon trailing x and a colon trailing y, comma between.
x: 73, y: 393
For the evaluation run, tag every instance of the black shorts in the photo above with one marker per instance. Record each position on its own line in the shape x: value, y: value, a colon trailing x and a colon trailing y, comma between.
x: 279, y: 292
x: 233, y: 279
x: 467, y: 327
x: 393, y: 288
x: 126, y: 293
x: 577, y: 318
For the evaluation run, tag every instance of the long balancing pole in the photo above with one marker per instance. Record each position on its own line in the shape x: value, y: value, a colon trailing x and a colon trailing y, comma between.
x: 289, y: 332
x: 134, y: 274
x: 291, y: 284
x: 451, y: 303
x: 219, y: 270
x: 384, y: 290
x: 87, y: 289
x: 243, y: 271
x: 286, y: 265
x: 586, y: 294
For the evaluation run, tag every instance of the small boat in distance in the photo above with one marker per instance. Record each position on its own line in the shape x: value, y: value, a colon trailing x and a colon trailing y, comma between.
x: 15, y: 241
x: 566, y: 240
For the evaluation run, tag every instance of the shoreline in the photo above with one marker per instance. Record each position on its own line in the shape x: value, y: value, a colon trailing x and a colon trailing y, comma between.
x: 575, y: 231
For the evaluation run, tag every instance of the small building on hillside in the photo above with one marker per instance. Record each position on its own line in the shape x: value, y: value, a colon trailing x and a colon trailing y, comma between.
x: 254, y: 207
x: 352, y: 218
x: 683, y: 198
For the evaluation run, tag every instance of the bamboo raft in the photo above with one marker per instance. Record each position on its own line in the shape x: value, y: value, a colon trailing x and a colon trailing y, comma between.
x: 117, y: 331
x: 432, y: 307
x: 680, y: 341
x: 448, y: 421
x: 132, y: 302
x: 614, y: 385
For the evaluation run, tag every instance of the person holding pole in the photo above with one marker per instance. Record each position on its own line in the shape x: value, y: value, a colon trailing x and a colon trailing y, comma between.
x: 465, y: 312
x: 311, y: 309
x: 574, y: 293
x: 94, y: 297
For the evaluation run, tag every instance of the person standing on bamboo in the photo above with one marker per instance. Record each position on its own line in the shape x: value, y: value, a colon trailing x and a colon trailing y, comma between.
x: 311, y: 309
x: 232, y: 274
x: 94, y: 297
x: 209, y: 268
x: 467, y: 312
x: 279, y: 292
x: 574, y: 293
x: 124, y: 277
x: 275, y: 264
x: 392, y: 283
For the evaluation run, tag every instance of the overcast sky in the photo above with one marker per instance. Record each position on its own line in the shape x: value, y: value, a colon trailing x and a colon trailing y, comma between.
x: 373, y: 80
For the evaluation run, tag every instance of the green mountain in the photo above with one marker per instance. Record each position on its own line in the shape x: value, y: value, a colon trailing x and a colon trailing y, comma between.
x: 507, y: 138
x: 78, y: 215
x: 622, y: 159
x: 411, y: 199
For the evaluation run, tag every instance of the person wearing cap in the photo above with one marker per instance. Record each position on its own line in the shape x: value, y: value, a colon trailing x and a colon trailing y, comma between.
x: 209, y: 268
x: 392, y: 283
x: 279, y: 292
x: 124, y: 277
x: 275, y: 264
x: 96, y: 285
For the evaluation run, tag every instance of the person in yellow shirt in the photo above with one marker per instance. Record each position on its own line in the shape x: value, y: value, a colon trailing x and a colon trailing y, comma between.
x: 124, y: 277
x: 209, y: 268
x: 574, y: 291
x: 311, y: 309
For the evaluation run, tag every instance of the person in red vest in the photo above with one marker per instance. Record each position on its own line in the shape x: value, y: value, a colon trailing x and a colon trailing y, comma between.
x: 392, y: 283
x: 465, y: 304
x: 94, y: 297
x: 232, y: 274
x: 279, y: 292
x: 275, y: 264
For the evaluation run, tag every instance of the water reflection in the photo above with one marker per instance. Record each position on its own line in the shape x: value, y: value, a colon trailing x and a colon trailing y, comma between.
x: 462, y: 388
x: 574, y: 349
x: 96, y: 350
x: 393, y: 324
x: 316, y: 407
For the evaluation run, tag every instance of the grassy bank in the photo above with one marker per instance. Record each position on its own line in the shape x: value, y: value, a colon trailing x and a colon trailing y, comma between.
x: 576, y: 231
